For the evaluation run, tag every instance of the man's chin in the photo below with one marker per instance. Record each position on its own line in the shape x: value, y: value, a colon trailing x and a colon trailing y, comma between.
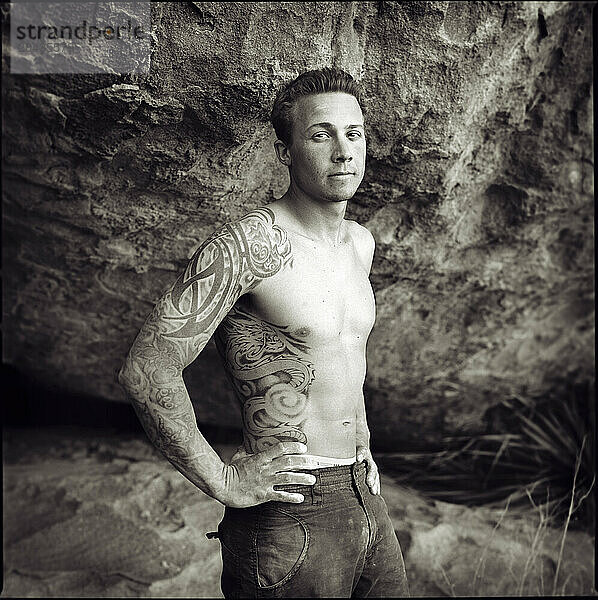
x: 341, y: 193
x: 339, y: 196
x: 339, y: 199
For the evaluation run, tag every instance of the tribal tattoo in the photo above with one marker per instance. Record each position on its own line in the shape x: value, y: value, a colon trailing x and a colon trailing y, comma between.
x: 271, y: 375
x: 229, y: 263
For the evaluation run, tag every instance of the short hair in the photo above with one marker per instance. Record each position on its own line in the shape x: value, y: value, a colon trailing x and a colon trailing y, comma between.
x: 318, y: 81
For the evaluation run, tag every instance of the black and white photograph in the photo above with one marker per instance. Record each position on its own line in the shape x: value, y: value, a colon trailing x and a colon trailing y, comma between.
x: 298, y: 299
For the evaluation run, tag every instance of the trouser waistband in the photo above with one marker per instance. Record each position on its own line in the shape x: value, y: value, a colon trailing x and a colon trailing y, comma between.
x: 328, y: 480
x: 320, y: 462
x: 337, y: 474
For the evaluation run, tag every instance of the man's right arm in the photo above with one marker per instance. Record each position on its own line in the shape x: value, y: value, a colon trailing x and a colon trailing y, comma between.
x: 231, y: 262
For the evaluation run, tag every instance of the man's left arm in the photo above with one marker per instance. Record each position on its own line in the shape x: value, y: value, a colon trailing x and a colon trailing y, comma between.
x: 362, y: 438
x: 366, y: 246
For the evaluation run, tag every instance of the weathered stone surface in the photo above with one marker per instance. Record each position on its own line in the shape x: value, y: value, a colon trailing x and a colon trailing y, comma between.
x: 453, y: 550
x: 120, y: 522
x: 478, y: 191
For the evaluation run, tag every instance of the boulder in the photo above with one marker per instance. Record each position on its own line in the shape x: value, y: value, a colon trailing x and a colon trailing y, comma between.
x: 478, y: 191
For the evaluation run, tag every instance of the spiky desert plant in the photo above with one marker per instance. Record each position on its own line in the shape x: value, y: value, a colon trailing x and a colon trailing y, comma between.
x: 549, y: 442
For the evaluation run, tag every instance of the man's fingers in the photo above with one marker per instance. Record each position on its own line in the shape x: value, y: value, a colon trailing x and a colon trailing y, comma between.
x: 287, y: 497
x: 285, y: 448
x: 292, y: 462
x: 239, y: 453
x: 372, y: 473
x: 373, y: 482
x: 363, y: 454
x: 373, y: 477
x: 294, y: 479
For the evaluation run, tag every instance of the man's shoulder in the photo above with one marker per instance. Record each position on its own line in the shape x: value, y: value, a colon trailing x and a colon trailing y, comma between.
x: 262, y: 213
x: 360, y: 235
x: 256, y: 225
x: 363, y: 241
x: 250, y: 245
x: 257, y: 218
x: 263, y: 245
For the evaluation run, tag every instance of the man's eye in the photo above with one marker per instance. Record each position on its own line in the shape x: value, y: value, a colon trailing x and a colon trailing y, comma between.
x: 322, y: 135
x: 354, y: 135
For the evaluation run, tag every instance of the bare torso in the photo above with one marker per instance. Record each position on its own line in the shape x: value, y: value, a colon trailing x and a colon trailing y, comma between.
x: 284, y: 292
x: 294, y: 346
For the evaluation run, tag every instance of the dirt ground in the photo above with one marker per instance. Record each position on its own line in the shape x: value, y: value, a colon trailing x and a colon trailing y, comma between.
x: 88, y: 513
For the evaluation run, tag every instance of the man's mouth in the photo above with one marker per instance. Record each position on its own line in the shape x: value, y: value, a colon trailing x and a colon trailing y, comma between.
x: 343, y: 174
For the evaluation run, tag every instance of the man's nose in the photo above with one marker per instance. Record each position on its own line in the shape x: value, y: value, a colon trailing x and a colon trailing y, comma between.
x: 342, y: 152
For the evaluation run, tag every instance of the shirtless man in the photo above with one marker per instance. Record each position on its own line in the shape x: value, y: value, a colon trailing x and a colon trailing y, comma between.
x: 285, y: 292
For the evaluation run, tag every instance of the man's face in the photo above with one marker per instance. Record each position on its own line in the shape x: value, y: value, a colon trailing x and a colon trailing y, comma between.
x: 327, y: 152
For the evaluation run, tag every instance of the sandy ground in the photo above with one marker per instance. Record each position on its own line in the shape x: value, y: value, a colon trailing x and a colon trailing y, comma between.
x: 88, y: 514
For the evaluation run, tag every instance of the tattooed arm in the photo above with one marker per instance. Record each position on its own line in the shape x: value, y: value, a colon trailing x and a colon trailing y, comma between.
x: 231, y: 262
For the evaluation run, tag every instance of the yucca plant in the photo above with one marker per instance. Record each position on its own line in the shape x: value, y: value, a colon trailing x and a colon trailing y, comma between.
x: 543, y: 455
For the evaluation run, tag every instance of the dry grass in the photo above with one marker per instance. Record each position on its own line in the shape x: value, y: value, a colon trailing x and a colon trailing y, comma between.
x: 573, y: 507
x: 537, y: 543
x: 538, y: 467
x: 544, y: 455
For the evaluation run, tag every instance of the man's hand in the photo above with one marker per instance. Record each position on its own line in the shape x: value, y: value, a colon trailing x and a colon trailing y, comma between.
x: 249, y: 479
x: 240, y: 452
x: 372, y: 477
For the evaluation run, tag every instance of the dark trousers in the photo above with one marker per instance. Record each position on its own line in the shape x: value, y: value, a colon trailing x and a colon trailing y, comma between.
x: 339, y: 543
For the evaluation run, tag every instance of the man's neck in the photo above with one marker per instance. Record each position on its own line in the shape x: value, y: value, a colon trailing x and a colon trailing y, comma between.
x: 319, y: 220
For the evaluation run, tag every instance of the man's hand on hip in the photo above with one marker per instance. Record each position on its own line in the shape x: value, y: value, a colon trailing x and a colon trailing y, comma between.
x: 372, y: 477
x: 249, y: 479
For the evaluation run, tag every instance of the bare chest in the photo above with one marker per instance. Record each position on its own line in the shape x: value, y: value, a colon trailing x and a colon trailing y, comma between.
x: 322, y: 296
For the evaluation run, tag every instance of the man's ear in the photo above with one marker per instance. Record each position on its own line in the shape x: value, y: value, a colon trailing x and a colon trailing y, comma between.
x: 282, y: 152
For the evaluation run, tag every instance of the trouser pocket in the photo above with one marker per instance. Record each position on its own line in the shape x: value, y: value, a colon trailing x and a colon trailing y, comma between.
x: 281, y: 547
x: 235, y: 547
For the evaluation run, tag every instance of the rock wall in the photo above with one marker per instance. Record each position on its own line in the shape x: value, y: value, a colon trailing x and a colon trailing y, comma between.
x: 478, y: 190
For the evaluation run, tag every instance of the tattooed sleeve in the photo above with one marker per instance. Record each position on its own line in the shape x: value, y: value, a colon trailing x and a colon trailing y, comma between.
x: 271, y: 375
x: 232, y: 261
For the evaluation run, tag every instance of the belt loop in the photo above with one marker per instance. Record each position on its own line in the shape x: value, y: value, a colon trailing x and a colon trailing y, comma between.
x: 316, y: 489
x: 355, y: 470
